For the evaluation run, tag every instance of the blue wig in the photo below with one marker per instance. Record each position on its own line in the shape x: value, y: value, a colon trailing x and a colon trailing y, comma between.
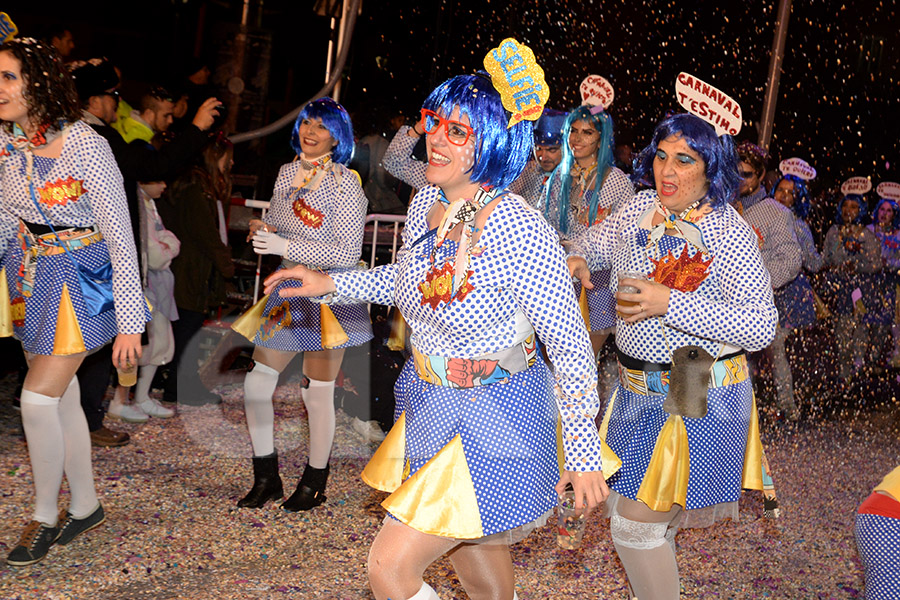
x: 801, y: 195
x: 501, y: 153
x: 336, y: 120
x: 895, y: 222
x: 718, y: 154
x: 863, y: 208
x: 603, y: 123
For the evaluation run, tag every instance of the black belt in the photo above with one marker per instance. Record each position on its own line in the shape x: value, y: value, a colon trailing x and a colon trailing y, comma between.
x: 38, y: 228
x: 629, y: 362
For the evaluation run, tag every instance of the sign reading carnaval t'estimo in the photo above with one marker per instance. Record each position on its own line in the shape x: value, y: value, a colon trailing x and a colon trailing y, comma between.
x: 518, y: 79
x: 708, y: 103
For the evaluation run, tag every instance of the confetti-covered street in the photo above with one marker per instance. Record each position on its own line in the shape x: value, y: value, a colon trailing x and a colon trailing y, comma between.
x: 173, y: 531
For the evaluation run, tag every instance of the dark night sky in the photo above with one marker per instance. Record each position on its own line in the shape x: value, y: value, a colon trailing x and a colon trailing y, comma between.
x: 836, y: 106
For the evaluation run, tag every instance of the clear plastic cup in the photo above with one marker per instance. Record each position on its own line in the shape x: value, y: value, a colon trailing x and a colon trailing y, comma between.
x: 627, y: 289
x: 569, y: 524
x: 127, y: 375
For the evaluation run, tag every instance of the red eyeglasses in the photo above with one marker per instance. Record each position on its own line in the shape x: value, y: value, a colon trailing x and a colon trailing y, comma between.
x: 457, y: 133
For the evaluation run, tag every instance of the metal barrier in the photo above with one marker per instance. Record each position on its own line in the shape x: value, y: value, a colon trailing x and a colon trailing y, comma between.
x: 375, y: 219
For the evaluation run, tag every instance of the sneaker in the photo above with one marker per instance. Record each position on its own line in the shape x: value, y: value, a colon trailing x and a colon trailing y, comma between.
x: 70, y: 527
x: 130, y: 413
x: 153, y: 408
x: 33, y: 545
x: 369, y: 430
x: 107, y: 438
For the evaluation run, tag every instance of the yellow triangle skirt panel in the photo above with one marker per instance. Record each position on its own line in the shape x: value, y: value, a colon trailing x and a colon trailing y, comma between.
x: 439, y: 499
x: 385, y: 469
x: 583, y: 306
x: 248, y: 323
x: 68, y: 339
x: 752, y: 476
x: 333, y: 335
x: 609, y: 461
x: 666, y: 479
x: 6, y: 326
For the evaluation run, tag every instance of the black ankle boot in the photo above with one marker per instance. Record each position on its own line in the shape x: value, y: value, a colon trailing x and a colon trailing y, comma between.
x: 310, y: 491
x: 266, y: 482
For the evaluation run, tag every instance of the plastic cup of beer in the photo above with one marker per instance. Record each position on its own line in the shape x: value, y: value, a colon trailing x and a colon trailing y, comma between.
x: 627, y: 289
x: 569, y: 523
x: 127, y: 375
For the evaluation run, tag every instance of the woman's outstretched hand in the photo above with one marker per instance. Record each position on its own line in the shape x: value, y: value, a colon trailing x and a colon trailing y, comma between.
x: 313, y: 283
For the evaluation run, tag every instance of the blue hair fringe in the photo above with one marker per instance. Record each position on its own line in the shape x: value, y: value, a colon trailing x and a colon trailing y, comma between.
x: 717, y: 152
x: 336, y: 120
x: 501, y: 153
x: 603, y: 122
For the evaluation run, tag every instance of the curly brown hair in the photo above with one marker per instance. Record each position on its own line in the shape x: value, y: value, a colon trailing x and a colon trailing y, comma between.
x: 48, y: 87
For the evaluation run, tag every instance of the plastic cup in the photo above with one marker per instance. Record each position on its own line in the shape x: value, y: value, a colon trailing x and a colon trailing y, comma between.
x: 127, y: 375
x: 569, y: 524
x: 627, y: 289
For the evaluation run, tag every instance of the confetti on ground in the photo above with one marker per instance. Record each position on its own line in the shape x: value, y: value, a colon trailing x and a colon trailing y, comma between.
x: 173, y: 530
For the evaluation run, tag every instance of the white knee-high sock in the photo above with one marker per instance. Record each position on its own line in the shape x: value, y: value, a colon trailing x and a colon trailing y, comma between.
x: 77, y: 439
x: 259, y: 386
x: 43, y: 431
x: 319, y: 401
x: 426, y: 592
x: 648, y: 557
x: 142, y: 387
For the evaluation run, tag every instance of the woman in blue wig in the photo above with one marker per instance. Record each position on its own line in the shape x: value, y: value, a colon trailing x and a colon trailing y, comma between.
x: 886, y: 227
x: 316, y: 218
x: 471, y: 461
x: 853, y: 256
x: 584, y: 189
x: 683, y: 435
x: 792, y: 192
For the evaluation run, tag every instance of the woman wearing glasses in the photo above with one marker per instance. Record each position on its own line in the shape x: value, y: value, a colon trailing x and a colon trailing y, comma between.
x: 316, y: 218
x: 471, y: 460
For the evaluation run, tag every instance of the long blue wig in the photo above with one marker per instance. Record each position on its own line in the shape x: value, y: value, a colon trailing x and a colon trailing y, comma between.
x: 603, y: 123
x: 501, y: 153
x: 717, y: 152
x: 863, y: 209
x: 801, y: 195
x: 895, y: 222
x: 336, y: 120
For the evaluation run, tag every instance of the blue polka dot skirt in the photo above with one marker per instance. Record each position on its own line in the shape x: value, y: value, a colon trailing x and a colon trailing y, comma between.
x: 37, y: 317
x: 716, y: 442
x: 295, y: 324
x: 601, y: 301
x: 878, y: 541
x: 796, y: 304
x: 508, y: 434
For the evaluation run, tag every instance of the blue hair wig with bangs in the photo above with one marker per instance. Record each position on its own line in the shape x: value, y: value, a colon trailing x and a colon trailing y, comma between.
x: 501, y: 153
x: 863, y: 209
x: 336, y: 120
x: 895, y: 222
x: 801, y: 195
x: 718, y: 154
x: 603, y: 123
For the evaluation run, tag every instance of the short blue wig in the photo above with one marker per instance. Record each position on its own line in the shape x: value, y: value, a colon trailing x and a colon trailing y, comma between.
x: 603, y: 123
x: 501, y: 153
x: 801, y: 195
x: 336, y: 120
x: 717, y: 152
x: 863, y: 209
x: 895, y: 222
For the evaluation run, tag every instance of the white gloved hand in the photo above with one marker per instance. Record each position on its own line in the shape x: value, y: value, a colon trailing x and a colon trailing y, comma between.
x: 269, y: 242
